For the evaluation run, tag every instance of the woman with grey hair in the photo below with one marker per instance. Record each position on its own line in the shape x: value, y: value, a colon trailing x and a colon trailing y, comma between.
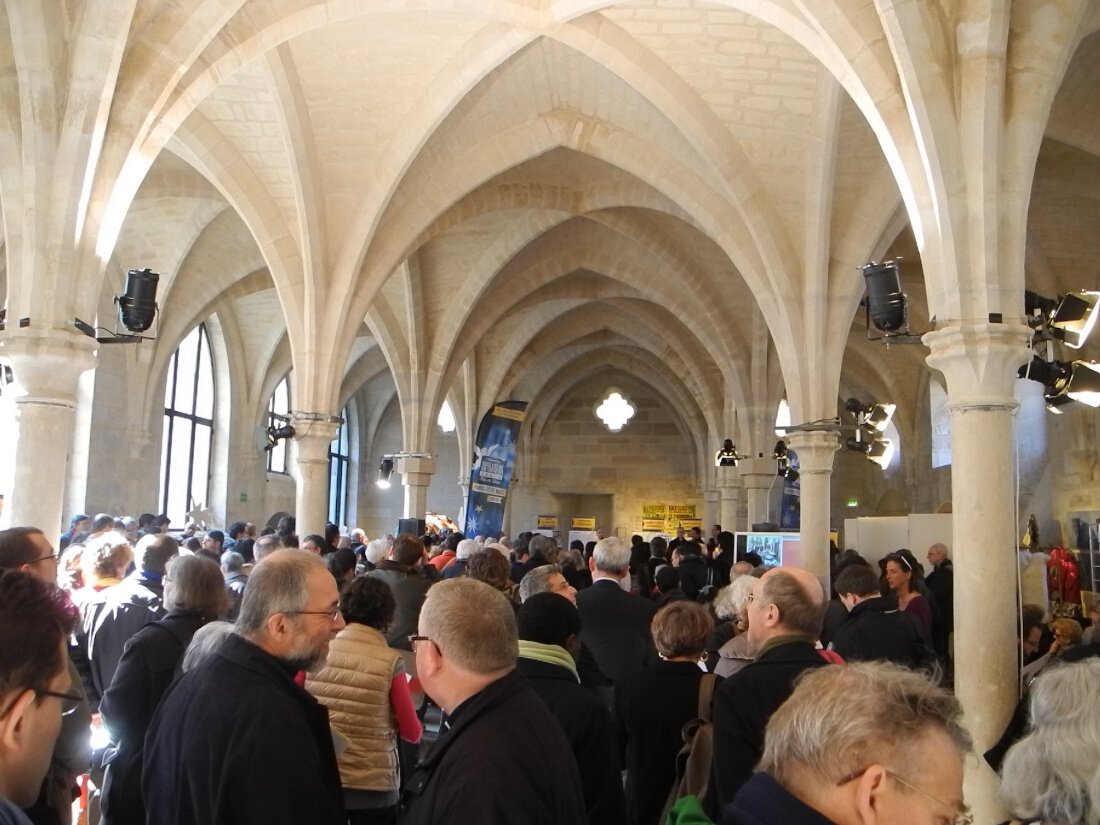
x: 732, y: 603
x: 1052, y: 775
x: 194, y: 593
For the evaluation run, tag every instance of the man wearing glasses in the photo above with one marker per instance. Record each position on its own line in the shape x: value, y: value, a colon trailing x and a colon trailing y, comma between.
x: 27, y: 550
x: 35, y: 686
x: 236, y: 739
x: 870, y: 742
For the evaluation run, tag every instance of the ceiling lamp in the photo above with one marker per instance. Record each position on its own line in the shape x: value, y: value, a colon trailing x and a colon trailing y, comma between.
x: 614, y: 411
x: 385, y: 470
x: 1069, y: 318
x: 874, y: 416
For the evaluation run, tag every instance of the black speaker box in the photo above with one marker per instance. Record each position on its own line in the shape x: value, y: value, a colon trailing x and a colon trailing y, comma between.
x: 415, y: 526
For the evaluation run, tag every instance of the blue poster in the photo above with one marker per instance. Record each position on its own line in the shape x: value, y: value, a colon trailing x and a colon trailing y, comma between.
x: 790, y: 511
x: 494, y: 457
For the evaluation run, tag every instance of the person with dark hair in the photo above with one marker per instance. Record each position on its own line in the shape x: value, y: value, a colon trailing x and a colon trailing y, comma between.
x: 539, y: 550
x: 668, y: 586
x: 490, y: 566
x: 784, y: 616
x: 214, y: 544
x: 724, y: 557
x: 233, y: 533
x: 549, y: 649
x: 35, y: 686
x: 241, y: 703
x: 194, y: 594
x: 364, y: 687
x: 658, y: 555
x: 332, y: 538
x: 232, y: 565
x: 146, y: 526
x: 341, y: 564
x: 902, y: 572
x: 27, y: 550
x: 694, y: 573
x: 401, y: 570
x: 162, y: 523
x: 654, y: 704
x: 447, y: 555
x: 79, y: 523
x: 313, y: 543
x: 876, y: 629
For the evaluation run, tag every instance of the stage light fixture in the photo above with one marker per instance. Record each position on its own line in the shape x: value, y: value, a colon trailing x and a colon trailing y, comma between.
x: 1065, y: 382
x: 1069, y: 318
x: 728, y: 455
x: 873, y: 416
x: 137, y: 305
x: 277, y: 434
x: 385, y: 470
x: 887, y: 305
x: 879, y: 450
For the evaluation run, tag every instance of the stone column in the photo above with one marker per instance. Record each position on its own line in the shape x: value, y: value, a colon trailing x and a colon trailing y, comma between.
x: 710, y: 510
x: 729, y: 493
x: 758, y: 475
x: 313, y: 434
x: 979, y: 363
x: 815, y: 451
x: 47, y: 372
x: 416, y: 475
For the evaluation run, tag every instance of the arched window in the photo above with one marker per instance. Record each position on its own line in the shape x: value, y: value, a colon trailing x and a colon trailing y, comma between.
x: 339, y: 457
x: 278, y: 410
x: 188, y: 427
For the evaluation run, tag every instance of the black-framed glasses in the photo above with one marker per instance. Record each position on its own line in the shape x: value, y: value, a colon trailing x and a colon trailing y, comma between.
x: 962, y: 815
x: 414, y: 638
x: 333, y: 614
x: 69, y: 701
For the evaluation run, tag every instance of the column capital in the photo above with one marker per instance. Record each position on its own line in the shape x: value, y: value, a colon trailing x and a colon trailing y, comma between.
x: 48, y: 365
x: 313, y: 433
x: 757, y: 473
x: 815, y: 449
x: 979, y: 362
x: 416, y: 471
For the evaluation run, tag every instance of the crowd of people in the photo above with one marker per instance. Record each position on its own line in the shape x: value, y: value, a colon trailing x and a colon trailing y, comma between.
x: 245, y: 676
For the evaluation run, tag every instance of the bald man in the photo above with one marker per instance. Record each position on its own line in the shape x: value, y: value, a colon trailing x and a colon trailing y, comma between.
x: 785, y: 615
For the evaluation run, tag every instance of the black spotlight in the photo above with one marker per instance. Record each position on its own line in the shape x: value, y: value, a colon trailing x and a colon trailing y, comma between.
x: 727, y: 456
x: 137, y: 306
x: 886, y: 303
x: 385, y: 470
x: 277, y: 434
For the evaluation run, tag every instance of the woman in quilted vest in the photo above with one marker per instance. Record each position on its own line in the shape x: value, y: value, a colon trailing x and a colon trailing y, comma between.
x: 365, y: 687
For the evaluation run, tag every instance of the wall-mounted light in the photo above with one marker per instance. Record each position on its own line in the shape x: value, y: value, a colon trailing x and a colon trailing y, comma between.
x: 1068, y: 318
x: 137, y: 310
x: 1065, y: 382
x: 277, y: 434
x: 887, y: 307
x: 385, y: 470
x: 783, y: 467
x: 871, y: 415
x: 728, y: 455
x: 878, y: 450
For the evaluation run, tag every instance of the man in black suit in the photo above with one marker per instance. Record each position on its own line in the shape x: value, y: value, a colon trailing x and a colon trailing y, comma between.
x: 615, y: 623
x: 785, y: 612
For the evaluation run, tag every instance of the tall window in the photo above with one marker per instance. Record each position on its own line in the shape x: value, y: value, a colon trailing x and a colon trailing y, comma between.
x: 338, y: 461
x: 188, y: 427
x: 278, y: 409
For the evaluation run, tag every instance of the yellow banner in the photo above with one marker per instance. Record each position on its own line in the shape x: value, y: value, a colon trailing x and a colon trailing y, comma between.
x: 682, y: 510
x: 654, y: 511
x: 584, y: 523
x: 504, y: 412
x: 653, y: 524
x: 548, y: 522
x: 688, y: 523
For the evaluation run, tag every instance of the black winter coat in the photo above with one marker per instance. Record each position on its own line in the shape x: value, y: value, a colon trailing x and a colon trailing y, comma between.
x: 504, y: 760
x: 236, y: 742
x: 587, y: 725
x: 615, y: 627
x: 876, y: 630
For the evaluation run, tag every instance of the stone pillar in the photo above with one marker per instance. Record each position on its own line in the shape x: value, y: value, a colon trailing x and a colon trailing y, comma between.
x: 416, y: 475
x: 710, y: 510
x: 729, y: 494
x: 815, y: 451
x: 758, y: 475
x: 47, y: 373
x: 313, y: 434
x: 979, y: 363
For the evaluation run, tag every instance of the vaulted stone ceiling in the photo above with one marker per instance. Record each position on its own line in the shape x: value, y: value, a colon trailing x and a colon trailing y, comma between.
x: 500, y: 199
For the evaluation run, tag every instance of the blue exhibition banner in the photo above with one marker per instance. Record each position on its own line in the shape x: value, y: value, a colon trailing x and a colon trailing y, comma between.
x: 494, y: 457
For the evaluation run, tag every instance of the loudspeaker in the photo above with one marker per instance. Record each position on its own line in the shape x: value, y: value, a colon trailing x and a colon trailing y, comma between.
x: 415, y: 526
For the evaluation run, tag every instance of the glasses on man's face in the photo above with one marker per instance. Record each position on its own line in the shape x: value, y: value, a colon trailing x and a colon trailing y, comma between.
x: 55, y: 557
x: 960, y: 814
x: 332, y: 613
x: 414, y: 638
x: 69, y: 701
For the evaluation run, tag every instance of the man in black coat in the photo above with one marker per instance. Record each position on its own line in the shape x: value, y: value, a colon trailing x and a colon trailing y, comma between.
x: 502, y: 757
x: 876, y: 628
x: 785, y: 613
x: 242, y: 704
x: 615, y: 623
x: 549, y: 645
x: 941, y: 581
